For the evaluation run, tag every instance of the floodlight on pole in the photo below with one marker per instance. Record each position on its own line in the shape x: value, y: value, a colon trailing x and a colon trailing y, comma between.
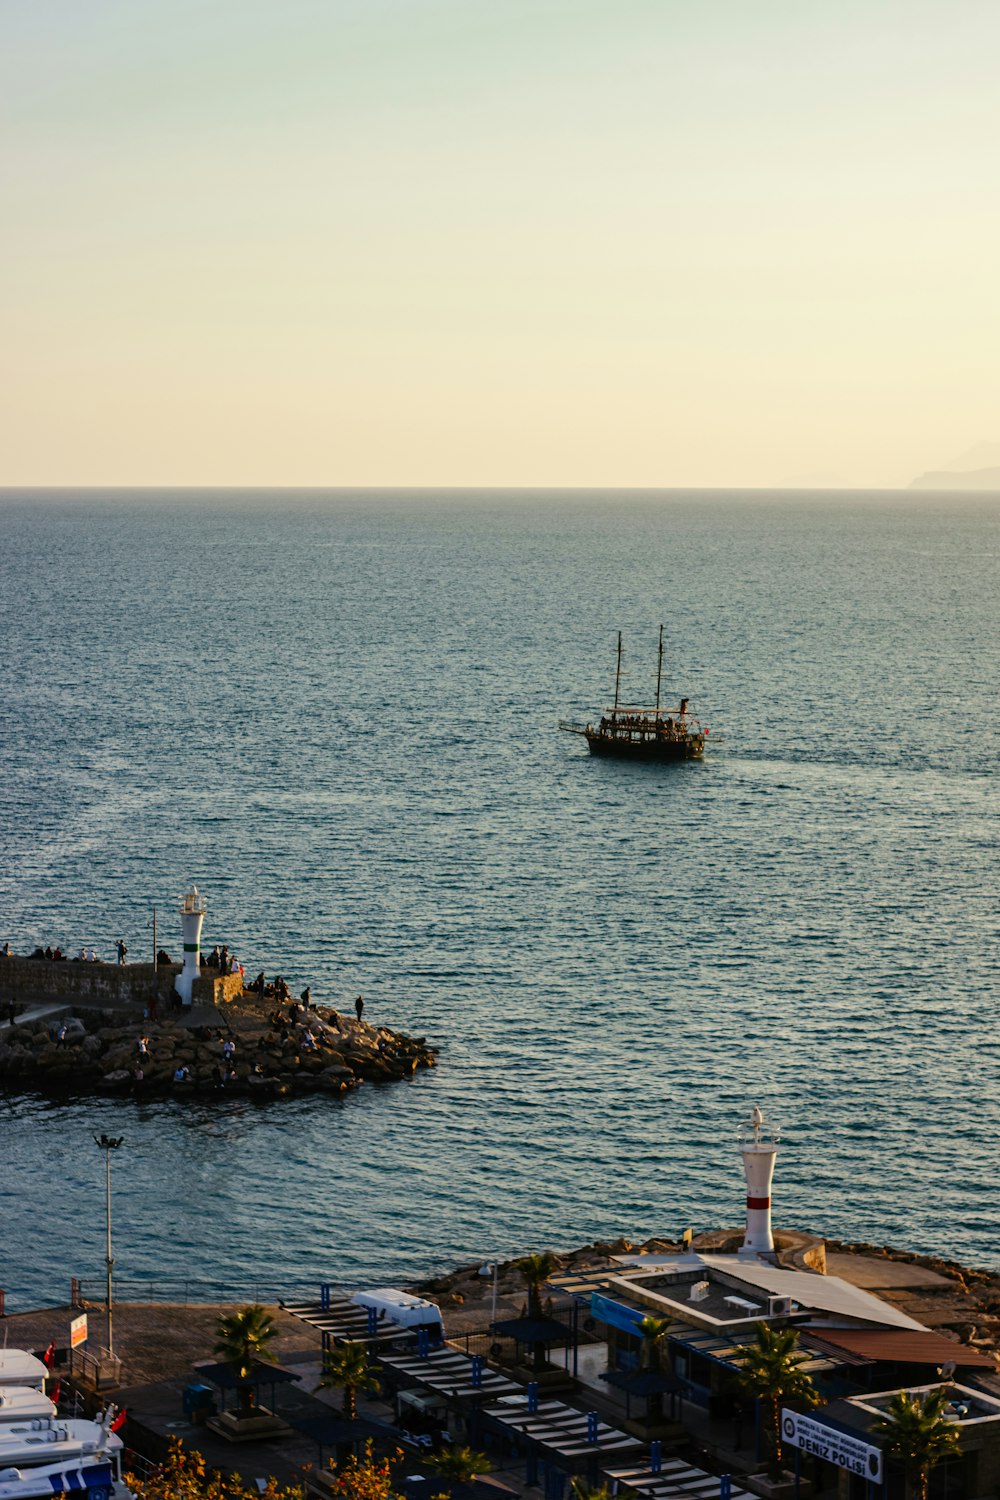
x: 107, y: 1144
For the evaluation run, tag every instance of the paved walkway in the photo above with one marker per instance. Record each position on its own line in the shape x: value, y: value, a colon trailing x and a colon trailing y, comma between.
x: 48, y: 1010
x: 127, y: 1014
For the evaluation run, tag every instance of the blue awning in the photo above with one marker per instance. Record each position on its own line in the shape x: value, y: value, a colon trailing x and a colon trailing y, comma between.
x: 616, y: 1314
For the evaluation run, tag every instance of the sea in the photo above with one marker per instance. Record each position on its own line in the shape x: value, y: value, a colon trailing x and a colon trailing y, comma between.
x: 338, y: 713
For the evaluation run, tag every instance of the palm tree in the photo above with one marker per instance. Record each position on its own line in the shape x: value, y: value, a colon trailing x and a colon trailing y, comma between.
x: 772, y: 1372
x: 919, y: 1434
x: 243, y: 1340
x: 458, y: 1465
x: 581, y: 1490
x: 654, y: 1332
x: 537, y: 1269
x: 347, y: 1368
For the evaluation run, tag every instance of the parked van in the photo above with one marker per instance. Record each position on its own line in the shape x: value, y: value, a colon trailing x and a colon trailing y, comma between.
x: 402, y: 1309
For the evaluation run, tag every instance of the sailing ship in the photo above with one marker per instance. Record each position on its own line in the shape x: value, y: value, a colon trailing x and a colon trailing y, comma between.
x: 630, y: 732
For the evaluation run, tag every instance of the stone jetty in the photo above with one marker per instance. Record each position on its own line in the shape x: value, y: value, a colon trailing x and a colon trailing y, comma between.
x: 94, y: 1038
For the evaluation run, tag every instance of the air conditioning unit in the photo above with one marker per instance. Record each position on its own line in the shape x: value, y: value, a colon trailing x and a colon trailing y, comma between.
x: 699, y: 1291
x: 779, y: 1307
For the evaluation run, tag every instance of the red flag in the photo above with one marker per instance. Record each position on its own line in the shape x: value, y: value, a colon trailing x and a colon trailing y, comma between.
x: 49, y: 1357
x: 119, y: 1421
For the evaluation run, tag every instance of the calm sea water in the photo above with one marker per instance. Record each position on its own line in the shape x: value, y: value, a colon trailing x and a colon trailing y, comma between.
x: 338, y: 715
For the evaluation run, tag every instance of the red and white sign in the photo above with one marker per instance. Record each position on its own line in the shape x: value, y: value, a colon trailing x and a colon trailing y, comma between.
x: 78, y: 1331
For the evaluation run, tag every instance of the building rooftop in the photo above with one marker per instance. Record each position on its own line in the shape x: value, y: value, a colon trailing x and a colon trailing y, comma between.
x: 667, y: 1280
x: 967, y: 1406
x: 905, y: 1347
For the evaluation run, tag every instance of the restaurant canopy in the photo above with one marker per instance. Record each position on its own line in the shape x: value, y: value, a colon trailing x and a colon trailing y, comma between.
x: 645, y: 1383
x: 565, y: 1432
x: 533, y: 1331
x: 449, y: 1372
x: 673, y: 1480
x: 225, y: 1379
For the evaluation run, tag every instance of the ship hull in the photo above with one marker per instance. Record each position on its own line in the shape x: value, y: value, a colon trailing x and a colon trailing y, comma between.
x: 619, y: 748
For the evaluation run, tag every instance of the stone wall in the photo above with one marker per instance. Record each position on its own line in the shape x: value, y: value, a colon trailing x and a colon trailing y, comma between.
x: 29, y: 981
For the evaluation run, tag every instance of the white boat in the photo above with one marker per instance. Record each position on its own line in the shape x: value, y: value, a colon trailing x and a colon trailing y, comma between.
x: 53, y: 1455
x: 18, y: 1367
x: 20, y: 1403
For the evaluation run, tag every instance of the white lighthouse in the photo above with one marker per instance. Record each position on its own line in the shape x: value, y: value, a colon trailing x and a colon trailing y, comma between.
x: 193, y: 909
x: 758, y: 1147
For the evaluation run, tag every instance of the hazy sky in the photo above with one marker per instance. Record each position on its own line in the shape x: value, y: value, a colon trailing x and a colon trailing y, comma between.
x: 487, y: 242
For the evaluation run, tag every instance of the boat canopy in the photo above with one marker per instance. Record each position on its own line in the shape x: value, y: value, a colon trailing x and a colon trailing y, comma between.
x: 18, y: 1367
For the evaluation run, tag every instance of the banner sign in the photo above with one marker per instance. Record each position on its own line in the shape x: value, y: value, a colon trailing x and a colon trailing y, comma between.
x: 603, y: 1310
x: 78, y: 1331
x: 835, y: 1447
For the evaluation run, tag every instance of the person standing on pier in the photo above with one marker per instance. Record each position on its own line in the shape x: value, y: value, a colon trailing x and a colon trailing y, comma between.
x: 359, y: 1006
x: 121, y: 950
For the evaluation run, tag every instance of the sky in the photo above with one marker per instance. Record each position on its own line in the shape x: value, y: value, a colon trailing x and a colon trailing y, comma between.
x: 497, y: 242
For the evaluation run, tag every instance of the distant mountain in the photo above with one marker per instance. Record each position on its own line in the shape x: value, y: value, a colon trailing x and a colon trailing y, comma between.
x: 958, y: 479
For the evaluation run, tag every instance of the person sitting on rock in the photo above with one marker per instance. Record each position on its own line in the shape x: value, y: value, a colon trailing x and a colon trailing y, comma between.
x: 143, y: 1045
x: 308, y: 1043
x: 229, y: 1049
x: 180, y: 1074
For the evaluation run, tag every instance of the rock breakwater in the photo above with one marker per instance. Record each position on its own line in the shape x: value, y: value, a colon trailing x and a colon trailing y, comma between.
x: 239, y: 1049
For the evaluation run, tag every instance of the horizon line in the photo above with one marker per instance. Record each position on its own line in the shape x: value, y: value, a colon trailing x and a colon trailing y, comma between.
x: 431, y: 489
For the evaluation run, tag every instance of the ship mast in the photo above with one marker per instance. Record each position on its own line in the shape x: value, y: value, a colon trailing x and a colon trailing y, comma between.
x: 659, y: 671
x: 618, y: 673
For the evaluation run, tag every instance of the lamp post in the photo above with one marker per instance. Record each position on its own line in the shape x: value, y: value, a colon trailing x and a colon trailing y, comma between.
x: 107, y: 1144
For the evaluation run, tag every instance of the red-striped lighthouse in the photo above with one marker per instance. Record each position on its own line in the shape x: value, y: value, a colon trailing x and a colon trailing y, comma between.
x: 758, y: 1147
